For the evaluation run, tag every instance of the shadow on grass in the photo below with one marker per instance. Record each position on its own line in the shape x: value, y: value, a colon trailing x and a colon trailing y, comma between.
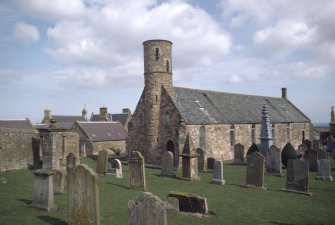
x: 322, y: 189
x: 277, y: 223
x: 26, y: 201
x: 52, y: 220
x: 119, y: 185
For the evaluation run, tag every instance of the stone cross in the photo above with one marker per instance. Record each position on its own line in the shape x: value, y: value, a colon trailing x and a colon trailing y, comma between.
x: 218, y: 173
x: 255, y: 170
x: 146, y: 209
x: 136, y: 171
x: 324, y: 170
x: 297, y: 175
x: 83, y: 197
x: 43, y: 191
x: 273, y: 161
x: 168, y: 164
x: 238, y: 153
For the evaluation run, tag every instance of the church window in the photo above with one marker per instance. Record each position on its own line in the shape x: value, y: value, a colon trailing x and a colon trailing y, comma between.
x: 167, y: 66
x: 156, y: 54
x: 232, y: 135
x: 202, y: 137
x: 303, y: 135
x: 253, y: 133
x: 156, y: 98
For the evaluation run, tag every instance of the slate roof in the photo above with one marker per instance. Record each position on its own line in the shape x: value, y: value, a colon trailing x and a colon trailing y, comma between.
x: 210, y: 107
x: 17, y: 124
x: 66, y: 122
x: 121, y: 117
x: 103, y: 131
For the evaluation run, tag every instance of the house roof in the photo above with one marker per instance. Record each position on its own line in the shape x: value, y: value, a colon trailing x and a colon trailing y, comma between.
x: 121, y: 117
x: 18, y: 124
x: 103, y: 130
x: 65, y: 122
x: 211, y: 107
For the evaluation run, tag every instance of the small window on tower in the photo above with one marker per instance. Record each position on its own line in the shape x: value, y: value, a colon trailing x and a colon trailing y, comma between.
x: 167, y: 66
x: 156, y: 54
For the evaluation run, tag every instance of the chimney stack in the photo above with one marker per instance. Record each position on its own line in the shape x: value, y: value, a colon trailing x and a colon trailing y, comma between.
x: 84, y: 113
x: 284, y: 92
x: 126, y: 111
x: 332, y: 115
x: 47, y: 114
x: 103, y: 114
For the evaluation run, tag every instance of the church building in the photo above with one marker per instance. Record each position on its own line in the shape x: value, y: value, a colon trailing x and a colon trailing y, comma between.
x: 215, y: 121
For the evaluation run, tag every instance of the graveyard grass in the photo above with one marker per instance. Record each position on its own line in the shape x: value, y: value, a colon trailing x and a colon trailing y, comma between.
x: 228, y: 204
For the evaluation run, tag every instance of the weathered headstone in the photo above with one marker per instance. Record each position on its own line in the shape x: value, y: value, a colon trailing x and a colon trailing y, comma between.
x: 115, y: 168
x: 255, y: 170
x: 146, y: 209
x: 301, y: 149
x: 190, y: 202
x: 218, y: 173
x: 72, y: 162
x: 312, y: 156
x: 210, y: 163
x: 102, y: 162
x: 136, y: 171
x: 297, y: 176
x: 238, y: 153
x: 59, y: 180
x: 273, y: 160
x: 201, y: 159
x: 83, y: 197
x: 43, y: 192
x: 189, y: 161
x: 324, y: 170
x: 168, y: 165
x: 172, y: 205
x: 322, y: 154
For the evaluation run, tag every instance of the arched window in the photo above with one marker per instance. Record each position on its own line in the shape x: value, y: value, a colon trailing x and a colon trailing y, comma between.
x: 156, y: 54
x: 202, y: 137
x: 303, y: 135
x: 288, y: 132
x: 253, y: 133
x: 232, y: 135
x: 167, y: 66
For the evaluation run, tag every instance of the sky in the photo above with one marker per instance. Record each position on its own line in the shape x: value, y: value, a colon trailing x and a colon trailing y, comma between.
x: 65, y: 55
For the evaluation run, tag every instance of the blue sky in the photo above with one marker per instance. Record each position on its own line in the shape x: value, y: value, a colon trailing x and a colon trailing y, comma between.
x: 67, y: 54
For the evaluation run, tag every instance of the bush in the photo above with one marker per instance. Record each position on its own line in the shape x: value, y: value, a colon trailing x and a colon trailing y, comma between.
x: 252, y: 148
x: 288, y: 153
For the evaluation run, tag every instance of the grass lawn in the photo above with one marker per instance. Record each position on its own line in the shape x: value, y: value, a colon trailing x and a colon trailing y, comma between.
x: 230, y: 203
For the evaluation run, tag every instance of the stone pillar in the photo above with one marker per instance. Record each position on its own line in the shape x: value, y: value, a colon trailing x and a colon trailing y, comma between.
x: 43, y: 192
x: 266, y: 134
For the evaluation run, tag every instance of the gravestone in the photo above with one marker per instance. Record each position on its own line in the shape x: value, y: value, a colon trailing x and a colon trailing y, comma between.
x: 322, y: 154
x: 324, y: 170
x: 189, y: 161
x: 301, y: 149
x: 168, y: 164
x: 210, y: 163
x: 72, y: 162
x: 136, y: 171
x: 218, y: 173
x: 312, y: 156
x: 201, y: 159
x: 255, y: 170
x: 43, y: 191
x: 330, y: 144
x: 83, y: 196
x: 115, y: 168
x: 102, y: 162
x: 172, y: 205
x: 238, y: 153
x: 190, y: 202
x: 316, y: 145
x: 146, y: 209
x: 297, y: 176
x: 273, y: 160
x: 59, y: 180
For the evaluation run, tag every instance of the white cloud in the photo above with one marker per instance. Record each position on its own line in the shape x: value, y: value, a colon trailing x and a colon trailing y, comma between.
x: 235, y: 79
x: 25, y: 33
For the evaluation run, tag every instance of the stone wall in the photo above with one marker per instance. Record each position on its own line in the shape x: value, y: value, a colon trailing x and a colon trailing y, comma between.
x: 98, y: 146
x: 18, y: 148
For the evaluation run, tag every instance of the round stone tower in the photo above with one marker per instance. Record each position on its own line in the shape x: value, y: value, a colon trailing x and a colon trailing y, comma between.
x: 157, y: 74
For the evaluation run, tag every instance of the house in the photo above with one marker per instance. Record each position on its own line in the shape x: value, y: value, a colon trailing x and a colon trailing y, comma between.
x: 63, y: 121
x: 95, y: 136
x: 215, y: 121
x: 103, y: 115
